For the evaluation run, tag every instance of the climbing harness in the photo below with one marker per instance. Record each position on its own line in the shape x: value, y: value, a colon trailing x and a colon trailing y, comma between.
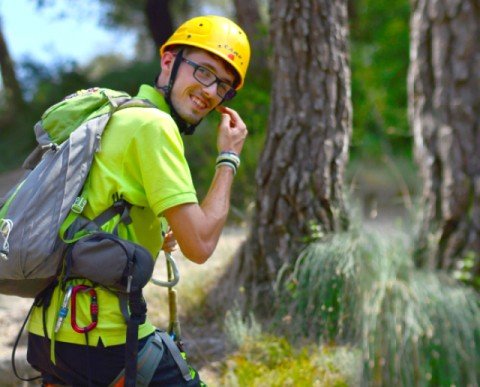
x: 151, y: 354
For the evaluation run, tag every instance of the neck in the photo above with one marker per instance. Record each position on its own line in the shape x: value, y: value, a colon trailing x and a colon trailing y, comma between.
x: 183, y: 126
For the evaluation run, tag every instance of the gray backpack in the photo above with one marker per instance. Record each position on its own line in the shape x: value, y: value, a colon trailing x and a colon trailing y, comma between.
x: 32, y: 214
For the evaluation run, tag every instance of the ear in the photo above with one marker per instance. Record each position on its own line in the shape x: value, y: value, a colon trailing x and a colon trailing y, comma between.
x: 166, y: 61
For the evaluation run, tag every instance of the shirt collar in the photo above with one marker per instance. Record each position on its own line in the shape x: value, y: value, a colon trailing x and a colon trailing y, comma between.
x: 154, y: 96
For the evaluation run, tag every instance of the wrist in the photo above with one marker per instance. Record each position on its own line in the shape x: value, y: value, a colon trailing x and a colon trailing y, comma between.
x: 228, y: 166
x: 228, y: 159
x: 228, y: 152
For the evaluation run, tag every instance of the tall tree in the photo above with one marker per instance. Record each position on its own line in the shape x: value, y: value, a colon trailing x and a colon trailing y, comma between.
x: 159, y: 20
x: 248, y: 16
x: 301, y: 170
x: 13, y: 91
x: 444, y: 94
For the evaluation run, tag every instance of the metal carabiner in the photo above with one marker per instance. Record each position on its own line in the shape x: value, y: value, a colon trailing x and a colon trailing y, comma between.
x: 173, y: 270
x: 93, y: 308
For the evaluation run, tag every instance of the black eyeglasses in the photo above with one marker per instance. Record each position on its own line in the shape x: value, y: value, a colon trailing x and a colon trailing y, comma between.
x: 207, y: 78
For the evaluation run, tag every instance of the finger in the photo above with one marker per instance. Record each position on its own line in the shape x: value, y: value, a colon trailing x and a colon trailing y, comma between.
x: 168, y: 247
x: 231, y: 112
x: 225, y: 120
x: 235, y: 119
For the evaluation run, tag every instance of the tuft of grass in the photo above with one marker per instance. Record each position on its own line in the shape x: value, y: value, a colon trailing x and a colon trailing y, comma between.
x: 238, y: 329
x: 413, y: 327
x: 422, y: 331
x: 324, y: 293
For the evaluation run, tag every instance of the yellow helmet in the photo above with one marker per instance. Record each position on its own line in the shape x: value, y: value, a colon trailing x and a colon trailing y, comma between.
x: 217, y: 35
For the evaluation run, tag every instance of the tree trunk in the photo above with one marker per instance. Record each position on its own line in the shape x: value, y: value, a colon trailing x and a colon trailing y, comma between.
x: 444, y: 97
x: 248, y: 17
x: 13, y: 92
x: 159, y: 20
x: 301, y: 169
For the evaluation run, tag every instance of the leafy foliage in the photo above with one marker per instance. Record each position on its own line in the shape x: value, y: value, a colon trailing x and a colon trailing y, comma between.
x: 379, y: 56
x: 464, y: 270
x: 44, y: 88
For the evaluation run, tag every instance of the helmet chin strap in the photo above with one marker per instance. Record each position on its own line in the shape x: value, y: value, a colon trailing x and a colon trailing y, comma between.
x: 183, y: 125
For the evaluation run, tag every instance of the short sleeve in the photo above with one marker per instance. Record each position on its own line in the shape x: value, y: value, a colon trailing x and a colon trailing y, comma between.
x: 158, y: 161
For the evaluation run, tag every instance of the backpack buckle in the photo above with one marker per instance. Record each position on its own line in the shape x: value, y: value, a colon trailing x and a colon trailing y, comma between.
x: 6, y: 226
x: 79, y: 205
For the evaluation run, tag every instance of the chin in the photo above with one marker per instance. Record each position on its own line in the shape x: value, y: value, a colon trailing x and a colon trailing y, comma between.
x: 192, y: 115
x: 193, y: 118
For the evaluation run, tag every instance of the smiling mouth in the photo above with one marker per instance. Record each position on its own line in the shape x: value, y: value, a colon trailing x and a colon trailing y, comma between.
x: 200, y: 104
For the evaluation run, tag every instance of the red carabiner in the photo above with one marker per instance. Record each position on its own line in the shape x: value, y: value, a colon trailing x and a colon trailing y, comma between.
x: 93, y: 308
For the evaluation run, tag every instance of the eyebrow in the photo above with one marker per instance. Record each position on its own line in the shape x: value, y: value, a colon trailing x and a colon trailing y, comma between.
x: 214, y: 70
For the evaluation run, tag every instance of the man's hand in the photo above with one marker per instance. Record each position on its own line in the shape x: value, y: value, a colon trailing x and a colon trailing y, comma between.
x: 169, y: 242
x: 232, y: 131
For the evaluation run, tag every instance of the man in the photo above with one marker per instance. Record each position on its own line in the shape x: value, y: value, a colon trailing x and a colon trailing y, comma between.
x: 142, y: 160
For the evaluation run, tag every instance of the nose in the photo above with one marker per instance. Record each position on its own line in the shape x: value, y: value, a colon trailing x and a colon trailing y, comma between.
x: 211, y: 90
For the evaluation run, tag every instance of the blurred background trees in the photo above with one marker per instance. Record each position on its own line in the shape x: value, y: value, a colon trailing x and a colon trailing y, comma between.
x: 444, y: 101
x: 12, y: 92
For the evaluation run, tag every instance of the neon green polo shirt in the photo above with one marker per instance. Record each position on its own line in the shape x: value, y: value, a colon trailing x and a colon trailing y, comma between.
x: 141, y: 159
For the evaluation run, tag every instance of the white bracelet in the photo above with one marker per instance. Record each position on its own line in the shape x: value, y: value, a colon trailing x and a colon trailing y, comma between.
x: 227, y: 163
x: 230, y: 156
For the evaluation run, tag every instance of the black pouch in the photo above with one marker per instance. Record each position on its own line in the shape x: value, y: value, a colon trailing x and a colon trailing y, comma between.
x: 110, y: 261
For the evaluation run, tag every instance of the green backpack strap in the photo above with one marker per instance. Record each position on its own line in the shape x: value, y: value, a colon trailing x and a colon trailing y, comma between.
x: 77, y: 226
x: 74, y: 226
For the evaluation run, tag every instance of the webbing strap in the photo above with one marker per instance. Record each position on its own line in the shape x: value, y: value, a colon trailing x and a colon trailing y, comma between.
x: 149, y: 358
x: 138, y: 311
x: 131, y: 351
x: 177, y: 356
x: 76, y: 226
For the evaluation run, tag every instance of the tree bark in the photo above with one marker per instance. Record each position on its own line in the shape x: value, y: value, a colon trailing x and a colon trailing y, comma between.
x: 444, y: 100
x: 159, y: 20
x: 13, y: 91
x: 301, y: 169
x: 248, y: 17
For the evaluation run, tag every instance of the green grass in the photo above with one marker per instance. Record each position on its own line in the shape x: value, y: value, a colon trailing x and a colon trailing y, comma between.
x: 414, y: 328
x: 272, y: 361
x: 422, y: 331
